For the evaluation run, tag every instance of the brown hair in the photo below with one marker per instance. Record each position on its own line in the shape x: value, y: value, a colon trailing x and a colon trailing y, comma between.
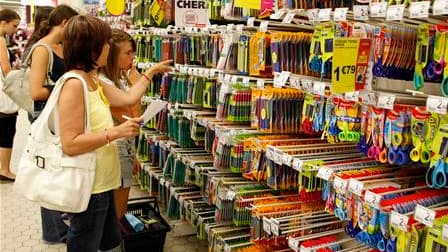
x: 111, y: 70
x: 57, y: 16
x: 8, y: 15
x: 41, y: 14
x: 84, y: 38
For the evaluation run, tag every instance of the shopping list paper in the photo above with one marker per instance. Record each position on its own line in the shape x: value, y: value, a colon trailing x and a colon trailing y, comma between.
x: 152, y: 110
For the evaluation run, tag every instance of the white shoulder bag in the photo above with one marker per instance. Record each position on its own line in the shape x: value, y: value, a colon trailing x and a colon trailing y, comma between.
x: 45, y: 174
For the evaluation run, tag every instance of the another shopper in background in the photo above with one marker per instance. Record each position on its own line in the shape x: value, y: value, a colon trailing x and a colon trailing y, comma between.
x: 50, y: 32
x: 41, y: 14
x: 9, y: 21
x: 86, y: 48
x: 119, y: 72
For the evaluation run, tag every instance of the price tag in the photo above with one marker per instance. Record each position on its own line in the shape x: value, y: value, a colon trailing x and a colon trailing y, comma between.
x: 275, y: 228
x: 234, y: 79
x: 372, y: 199
x: 260, y: 83
x: 352, y: 96
x: 287, y: 159
x: 340, y: 14
x: 294, y: 81
x: 227, y: 78
x: 305, y: 249
x: 319, y: 88
x: 297, y: 164
x: 239, y: 27
x: 264, y: 26
x: 230, y: 27
x: 386, y: 101
x: 278, y: 157
x: 440, y: 7
x: 267, y: 225
x: 340, y: 184
x: 251, y: 22
x: 293, y: 243
x: 355, y: 186
x: 231, y: 195
x: 419, y: 9
x: 281, y: 79
x: 395, y: 12
x: 325, y: 173
x: 424, y: 215
x: 246, y: 81
x: 313, y: 15
x: 378, y: 9
x: 307, y: 85
x: 324, y: 14
x: 289, y: 17
x: 361, y: 12
x: 445, y: 232
x: 269, y: 153
x: 368, y: 98
x: 278, y: 15
x: 437, y: 104
x: 399, y: 220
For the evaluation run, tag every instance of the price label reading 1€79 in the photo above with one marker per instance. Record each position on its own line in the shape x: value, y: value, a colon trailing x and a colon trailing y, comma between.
x: 343, y: 73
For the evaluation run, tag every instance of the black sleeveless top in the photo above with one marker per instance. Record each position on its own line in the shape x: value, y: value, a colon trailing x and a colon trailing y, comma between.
x: 57, y: 71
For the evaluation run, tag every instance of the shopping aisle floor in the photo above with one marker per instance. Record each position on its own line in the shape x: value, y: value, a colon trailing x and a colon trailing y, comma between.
x: 20, y: 223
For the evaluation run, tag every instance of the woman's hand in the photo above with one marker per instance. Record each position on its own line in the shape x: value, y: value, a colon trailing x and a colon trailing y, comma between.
x: 160, y: 67
x: 129, y: 128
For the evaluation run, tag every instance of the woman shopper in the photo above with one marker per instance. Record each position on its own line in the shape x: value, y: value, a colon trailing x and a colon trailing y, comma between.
x: 119, y: 72
x: 86, y: 48
x: 51, y: 32
x: 9, y: 21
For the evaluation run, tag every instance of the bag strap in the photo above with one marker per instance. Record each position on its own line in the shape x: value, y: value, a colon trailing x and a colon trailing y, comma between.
x: 52, y: 101
x: 27, y: 61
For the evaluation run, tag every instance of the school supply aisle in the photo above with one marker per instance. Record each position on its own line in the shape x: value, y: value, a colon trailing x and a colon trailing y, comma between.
x: 319, y: 129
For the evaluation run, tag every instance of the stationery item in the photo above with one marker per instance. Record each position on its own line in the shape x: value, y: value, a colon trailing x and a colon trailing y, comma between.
x: 154, y: 107
x: 135, y: 223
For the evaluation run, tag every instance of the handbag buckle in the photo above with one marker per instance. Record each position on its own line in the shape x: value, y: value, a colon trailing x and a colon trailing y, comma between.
x: 40, y: 162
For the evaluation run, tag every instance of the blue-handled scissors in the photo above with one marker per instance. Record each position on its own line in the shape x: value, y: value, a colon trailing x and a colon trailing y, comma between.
x: 439, y: 174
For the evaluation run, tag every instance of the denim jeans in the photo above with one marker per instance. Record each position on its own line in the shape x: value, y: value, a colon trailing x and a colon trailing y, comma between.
x: 53, y: 228
x: 96, y: 228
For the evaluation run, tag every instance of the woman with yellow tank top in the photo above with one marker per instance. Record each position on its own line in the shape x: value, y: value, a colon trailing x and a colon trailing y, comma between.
x: 86, y: 48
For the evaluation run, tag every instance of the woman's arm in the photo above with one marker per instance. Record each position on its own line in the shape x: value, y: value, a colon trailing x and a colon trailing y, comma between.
x: 71, y: 113
x: 132, y: 76
x: 5, y: 67
x: 118, y: 98
x: 38, y: 74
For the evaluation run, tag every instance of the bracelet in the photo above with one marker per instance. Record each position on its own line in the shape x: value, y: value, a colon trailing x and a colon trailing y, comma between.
x: 146, y: 77
x: 107, y: 137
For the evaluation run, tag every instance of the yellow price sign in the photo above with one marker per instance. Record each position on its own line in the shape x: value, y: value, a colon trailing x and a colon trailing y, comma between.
x: 115, y: 7
x: 157, y: 13
x: 350, y: 59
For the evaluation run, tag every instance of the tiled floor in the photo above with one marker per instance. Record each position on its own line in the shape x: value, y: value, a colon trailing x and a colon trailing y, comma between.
x: 20, y: 223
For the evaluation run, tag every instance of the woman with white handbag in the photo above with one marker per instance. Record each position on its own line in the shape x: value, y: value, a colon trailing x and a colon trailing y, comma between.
x: 46, y: 52
x: 9, y: 21
x: 86, y: 48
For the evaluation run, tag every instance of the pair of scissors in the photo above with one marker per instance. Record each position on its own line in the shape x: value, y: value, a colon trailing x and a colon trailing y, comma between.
x: 436, y: 176
x: 420, y: 150
x: 421, y: 55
